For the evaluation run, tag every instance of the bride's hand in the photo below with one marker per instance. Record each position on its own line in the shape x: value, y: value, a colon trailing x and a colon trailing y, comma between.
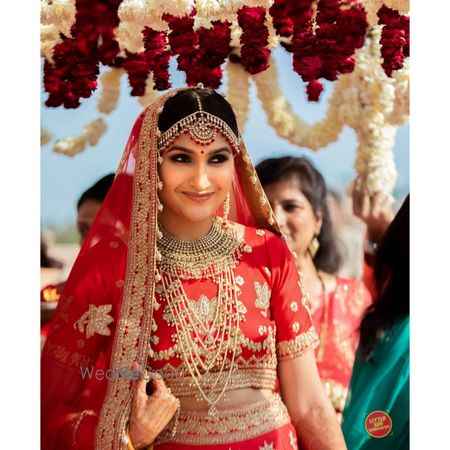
x: 150, y: 414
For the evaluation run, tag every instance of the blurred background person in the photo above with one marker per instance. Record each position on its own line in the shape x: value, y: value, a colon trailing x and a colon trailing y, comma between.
x: 298, y: 195
x: 88, y: 206
x: 376, y: 214
x: 349, y: 232
x: 380, y: 378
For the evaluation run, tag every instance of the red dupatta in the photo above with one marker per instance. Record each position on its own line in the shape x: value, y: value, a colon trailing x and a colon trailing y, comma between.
x: 94, y: 328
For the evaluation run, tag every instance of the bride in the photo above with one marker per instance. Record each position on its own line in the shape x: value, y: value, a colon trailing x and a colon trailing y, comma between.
x: 184, y: 274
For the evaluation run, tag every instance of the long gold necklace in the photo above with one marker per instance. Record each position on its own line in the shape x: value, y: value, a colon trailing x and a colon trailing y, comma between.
x: 207, y: 342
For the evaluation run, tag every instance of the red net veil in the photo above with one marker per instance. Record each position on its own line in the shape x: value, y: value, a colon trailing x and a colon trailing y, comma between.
x: 99, y: 326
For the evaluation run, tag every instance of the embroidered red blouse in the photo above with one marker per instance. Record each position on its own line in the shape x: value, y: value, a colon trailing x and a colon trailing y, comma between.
x: 276, y: 323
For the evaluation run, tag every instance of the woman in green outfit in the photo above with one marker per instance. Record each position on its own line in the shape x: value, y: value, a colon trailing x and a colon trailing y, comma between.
x: 376, y: 415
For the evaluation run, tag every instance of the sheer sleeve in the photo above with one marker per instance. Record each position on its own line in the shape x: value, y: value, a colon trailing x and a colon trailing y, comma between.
x: 288, y: 304
x: 84, y: 323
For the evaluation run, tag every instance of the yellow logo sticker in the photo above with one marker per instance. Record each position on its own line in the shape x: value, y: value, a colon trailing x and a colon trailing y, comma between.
x: 378, y: 424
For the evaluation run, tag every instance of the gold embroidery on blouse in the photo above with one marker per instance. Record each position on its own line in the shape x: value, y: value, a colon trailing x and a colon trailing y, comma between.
x: 181, y: 384
x: 294, y: 306
x: 298, y: 345
x: 260, y: 232
x: 230, y: 425
x: 295, y: 327
x: 96, y: 320
x: 263, y: 295
x: 267, y: 446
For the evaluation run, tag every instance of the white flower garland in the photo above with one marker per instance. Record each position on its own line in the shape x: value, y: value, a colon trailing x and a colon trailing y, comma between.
x: 150, y: 93
x: 238, y: 92
x: 109, y: 95
x: 49, y: 38
x: 90, y: 135
x: 46, y: 136
x: 372, y: 7
x: 400, y: 112
x: 281, y: 117
x: 60, y: 13
x: 371, y: 113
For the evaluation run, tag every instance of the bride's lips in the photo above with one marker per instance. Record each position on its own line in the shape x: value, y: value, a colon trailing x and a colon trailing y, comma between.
x: 198, y: 197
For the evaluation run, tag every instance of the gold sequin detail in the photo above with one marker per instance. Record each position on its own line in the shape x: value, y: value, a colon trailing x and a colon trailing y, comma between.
x: 294, y: 306
x: 298, y: 345
x: 260, y: 232
x: 96, y: 320
x: 263, y: 295
x: 295, y: 327
x: 230, y: 425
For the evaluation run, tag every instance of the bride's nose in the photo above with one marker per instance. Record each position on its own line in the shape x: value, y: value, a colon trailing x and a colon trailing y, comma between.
x: 199, y: 180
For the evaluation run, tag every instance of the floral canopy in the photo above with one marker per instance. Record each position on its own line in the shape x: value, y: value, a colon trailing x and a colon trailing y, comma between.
x: 361, y: 46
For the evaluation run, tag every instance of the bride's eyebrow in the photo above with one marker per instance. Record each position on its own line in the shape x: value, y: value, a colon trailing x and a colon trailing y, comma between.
x: 188, y: 150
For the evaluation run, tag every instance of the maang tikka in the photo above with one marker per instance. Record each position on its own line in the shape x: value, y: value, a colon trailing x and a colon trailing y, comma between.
x: 202, y: 127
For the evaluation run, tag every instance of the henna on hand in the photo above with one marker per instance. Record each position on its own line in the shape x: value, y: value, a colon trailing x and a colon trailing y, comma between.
x: 150, y: 414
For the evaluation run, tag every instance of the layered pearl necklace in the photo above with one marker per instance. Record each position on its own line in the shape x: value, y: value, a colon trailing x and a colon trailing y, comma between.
x: 207, y: 332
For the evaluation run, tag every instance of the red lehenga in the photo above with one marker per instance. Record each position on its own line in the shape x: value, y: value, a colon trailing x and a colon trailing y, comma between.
x: 112, y: 313
x: 337, y: 319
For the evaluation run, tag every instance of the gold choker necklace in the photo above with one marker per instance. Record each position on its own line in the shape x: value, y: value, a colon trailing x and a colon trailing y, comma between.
x: 206, y: 257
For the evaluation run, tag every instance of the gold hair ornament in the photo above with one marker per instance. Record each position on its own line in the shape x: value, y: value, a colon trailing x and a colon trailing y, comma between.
x: 202, y: 126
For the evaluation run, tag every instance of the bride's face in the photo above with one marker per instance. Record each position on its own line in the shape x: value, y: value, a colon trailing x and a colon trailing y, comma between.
x: 196, y: 178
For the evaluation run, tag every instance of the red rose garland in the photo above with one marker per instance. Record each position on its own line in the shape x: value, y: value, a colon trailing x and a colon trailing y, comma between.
x: 201, y: 53
x: 328, y: 50
x: 74, y: 72
x: 254, y: 39
x: 281, y: 18
x: 324, y: 49
x: 157, y: 57
x: 183, y: 40
x: 214, y: 47
x: 138, y: 69
x: 394, y: 39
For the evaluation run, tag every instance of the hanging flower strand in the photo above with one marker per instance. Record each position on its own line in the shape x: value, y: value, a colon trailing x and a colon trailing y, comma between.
x: 90, y: 135
x: 254, y: 39
x: 394, y: 39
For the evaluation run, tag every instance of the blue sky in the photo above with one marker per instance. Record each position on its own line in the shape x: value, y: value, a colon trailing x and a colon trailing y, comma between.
x: 64, y: 178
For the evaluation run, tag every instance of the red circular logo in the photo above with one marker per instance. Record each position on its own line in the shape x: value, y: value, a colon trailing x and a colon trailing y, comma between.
x: 378, y: 424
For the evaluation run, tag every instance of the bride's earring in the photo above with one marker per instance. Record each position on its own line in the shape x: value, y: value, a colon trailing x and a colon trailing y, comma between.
x: 226, y: 211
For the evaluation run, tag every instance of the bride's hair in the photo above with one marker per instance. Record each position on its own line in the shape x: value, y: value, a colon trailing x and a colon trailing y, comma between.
x: 185, y: 103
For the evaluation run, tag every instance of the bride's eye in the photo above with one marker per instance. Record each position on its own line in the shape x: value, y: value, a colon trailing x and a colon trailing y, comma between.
x: 219, y: 159
x: 180, y: 157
